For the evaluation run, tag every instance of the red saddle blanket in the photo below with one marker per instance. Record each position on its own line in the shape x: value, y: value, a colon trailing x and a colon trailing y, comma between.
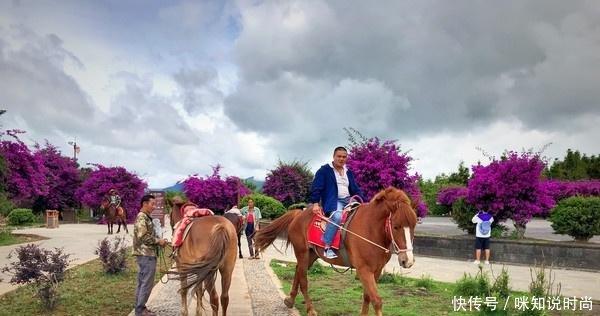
x: 189, y: 212
x: 316, y: 228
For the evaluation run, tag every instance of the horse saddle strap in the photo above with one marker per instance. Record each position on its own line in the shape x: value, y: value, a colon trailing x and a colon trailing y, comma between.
x: 343, y: 252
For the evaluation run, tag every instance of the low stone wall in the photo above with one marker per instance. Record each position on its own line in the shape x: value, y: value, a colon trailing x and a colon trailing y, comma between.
x: 559, y: 254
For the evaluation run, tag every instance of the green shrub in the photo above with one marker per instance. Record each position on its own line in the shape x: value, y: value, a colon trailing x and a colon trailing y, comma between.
x: 462, y: 215
x: 498, y: 230
x: 479, y: 285
x: 21, y: 216
x: 269, y: 207
x: 578, y: 217
x: 501, y: 287
x: 6, y: 206
x: 425, y: 281
x: 300, y: 206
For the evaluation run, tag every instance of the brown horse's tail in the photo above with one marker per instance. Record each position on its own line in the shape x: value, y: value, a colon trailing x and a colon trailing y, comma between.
x: 278, y: 228
x: 205, y: 270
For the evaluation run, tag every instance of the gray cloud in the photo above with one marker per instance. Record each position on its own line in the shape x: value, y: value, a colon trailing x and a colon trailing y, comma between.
x: 199, y: 89
x: 34, y: 82
x: 444, y: 65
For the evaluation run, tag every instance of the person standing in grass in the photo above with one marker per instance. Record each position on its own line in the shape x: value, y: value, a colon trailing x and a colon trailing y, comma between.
x: 145, y: 249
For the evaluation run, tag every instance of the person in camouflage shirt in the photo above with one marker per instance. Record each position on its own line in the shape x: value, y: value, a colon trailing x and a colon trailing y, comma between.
x: 145, y: 248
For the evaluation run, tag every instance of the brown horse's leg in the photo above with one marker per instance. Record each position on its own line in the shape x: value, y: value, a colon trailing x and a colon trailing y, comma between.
x: 119, y: 227
x: 366, y: 300
x: 184, y: 310
x: 226, y: 273
x: 367, y: 278
x: 240, y: 244
x: 303, y: 261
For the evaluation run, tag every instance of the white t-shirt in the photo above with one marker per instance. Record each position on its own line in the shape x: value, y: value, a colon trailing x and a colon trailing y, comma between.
x: 478, y: 221
x: 343, y: 183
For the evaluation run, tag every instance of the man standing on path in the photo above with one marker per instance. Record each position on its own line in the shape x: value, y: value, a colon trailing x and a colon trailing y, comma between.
x: 145, y: 248
x: 332, y: 187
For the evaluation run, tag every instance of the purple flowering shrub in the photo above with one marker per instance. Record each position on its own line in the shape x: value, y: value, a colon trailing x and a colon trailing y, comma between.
x: 62, y: 176
x: 511, y: 188
x: 560, y: 189
x: 378, y: 165
x: 113, y: 255
x: 214, y: 192
x: 43, y: 268
x: 448, y: 195
x: 102, y: 179
x: 25, y: 174
x: 289, y: 183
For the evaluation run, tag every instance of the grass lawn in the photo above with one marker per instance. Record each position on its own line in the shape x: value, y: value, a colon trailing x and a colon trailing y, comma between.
x: 341, y: 294
x: 7, y: 238
x: 87, y: 290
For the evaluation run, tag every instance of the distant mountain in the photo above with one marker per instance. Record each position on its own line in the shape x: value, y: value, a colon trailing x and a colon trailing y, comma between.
x: 177, y: 187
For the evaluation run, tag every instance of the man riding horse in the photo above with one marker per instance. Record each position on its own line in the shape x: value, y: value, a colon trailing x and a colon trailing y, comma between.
x: 332, y: 187
x: 114, y: 200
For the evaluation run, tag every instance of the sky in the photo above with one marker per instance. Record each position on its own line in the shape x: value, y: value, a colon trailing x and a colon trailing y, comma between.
x: 169, y: 89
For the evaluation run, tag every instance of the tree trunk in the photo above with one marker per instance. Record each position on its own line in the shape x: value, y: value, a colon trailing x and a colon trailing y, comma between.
x: 520, y: 229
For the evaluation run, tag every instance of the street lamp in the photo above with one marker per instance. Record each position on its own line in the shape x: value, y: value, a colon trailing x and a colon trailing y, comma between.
x: 75, y: 149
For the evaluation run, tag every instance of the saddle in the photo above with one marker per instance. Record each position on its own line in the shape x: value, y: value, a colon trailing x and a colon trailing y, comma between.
x: 317, y: 225
x: 190, y: 212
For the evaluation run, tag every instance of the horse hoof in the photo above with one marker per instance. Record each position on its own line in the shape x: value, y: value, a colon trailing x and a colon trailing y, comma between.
x: 312, y: 313
x: 288, y: 302
x: 241, y: 257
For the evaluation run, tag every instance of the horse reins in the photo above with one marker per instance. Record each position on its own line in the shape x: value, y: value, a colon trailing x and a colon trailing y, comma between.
x: 395, y: 249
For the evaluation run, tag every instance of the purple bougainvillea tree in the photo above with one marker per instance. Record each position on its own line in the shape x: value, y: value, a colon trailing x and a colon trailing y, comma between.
x: 102, y: 179
x: 214, y: 192
x: 378, y: 165
x: 25, y: 174
x: 511, y: 188
x: 289, y: 183
x: 448, y: 195
x: 62, y: 177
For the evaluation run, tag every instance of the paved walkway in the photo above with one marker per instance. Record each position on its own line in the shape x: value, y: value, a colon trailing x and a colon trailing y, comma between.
x: 536, y: 228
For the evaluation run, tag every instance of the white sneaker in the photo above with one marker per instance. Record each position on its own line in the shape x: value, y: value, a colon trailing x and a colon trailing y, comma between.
x: 476, y: 262
x: 487, y: 262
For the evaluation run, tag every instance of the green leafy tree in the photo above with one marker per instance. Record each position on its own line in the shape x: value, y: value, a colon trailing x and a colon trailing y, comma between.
x: 575, y: 166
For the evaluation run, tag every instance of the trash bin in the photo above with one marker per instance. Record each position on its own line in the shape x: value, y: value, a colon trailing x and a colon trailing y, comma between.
x: 51, y: 219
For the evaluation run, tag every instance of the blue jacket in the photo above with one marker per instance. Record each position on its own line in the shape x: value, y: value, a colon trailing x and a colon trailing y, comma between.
x: 324, y: 188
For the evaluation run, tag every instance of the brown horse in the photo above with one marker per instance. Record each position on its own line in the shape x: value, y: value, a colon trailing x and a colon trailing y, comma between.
x: 112, y: 216
x: 369, y: 222
x: 238, y: 223
x: 209, y: 247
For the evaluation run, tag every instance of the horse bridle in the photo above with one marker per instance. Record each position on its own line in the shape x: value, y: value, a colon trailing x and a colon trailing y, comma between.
x: 394, y: 248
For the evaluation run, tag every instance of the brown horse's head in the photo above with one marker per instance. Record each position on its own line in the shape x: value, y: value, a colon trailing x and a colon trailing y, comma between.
x: 176, y: 203
x: 403, y: 220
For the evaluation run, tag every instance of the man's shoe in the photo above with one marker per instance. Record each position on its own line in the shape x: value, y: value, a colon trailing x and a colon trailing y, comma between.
x: 329, y: 254
x: 148, y: 312
x: 476, y: 262
x: 487, y: 262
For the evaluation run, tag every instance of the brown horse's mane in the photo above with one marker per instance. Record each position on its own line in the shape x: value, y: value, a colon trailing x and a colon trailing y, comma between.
x: 394, y: 200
